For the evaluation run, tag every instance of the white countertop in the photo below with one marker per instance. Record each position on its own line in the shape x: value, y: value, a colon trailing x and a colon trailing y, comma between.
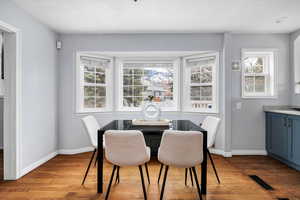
x: 282, y: 110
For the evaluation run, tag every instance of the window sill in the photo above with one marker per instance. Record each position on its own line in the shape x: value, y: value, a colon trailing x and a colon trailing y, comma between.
x: 259, y: 97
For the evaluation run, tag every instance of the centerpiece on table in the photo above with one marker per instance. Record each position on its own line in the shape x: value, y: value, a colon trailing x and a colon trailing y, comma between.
x: 151, y: 113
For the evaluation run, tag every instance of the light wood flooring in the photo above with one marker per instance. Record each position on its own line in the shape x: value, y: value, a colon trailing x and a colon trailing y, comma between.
x: 61, y: 177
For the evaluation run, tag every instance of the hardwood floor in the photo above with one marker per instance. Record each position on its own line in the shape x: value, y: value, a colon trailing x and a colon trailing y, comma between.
x: 1, y: 164
x: 61, y: 177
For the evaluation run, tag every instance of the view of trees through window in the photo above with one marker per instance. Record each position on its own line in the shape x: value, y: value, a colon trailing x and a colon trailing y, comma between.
x: 141, y: 80
x: 255, y: 79
x: 94, y: 84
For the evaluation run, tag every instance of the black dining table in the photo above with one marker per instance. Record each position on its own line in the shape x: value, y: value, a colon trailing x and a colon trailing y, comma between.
x: 154, y: 133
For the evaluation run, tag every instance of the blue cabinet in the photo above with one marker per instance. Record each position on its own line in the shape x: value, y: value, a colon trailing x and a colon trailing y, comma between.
x: 283, y: 138
x: 295, y: 139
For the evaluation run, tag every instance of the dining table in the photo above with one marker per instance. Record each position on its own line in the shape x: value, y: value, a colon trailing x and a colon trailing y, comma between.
x: 153, y: 135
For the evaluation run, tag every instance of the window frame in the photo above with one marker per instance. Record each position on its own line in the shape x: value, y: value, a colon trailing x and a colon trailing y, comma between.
x: 80, y: 84
x: 119, y: 75
x: 187, y: 84
x: 269, y: 72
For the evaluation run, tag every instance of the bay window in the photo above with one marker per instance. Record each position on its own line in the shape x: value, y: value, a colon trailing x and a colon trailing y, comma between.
x: 125, y: 81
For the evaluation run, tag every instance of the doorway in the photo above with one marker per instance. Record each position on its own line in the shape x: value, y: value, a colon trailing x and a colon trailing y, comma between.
x: 1, y: 101
x: 10, y: 91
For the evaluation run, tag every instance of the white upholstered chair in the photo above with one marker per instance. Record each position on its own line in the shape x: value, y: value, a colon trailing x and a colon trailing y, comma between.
x: 91, y: 126
x: 181, y: 149
x: 211, y: 125
x: 126, y: 148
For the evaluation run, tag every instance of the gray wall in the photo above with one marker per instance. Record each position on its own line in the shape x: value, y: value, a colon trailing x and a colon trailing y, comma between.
x: 39, y: 84
x: 71, y: 132
x: 248, y: 124
x: 295, y: 97
x: 1, y: 122
x: 245, y: 129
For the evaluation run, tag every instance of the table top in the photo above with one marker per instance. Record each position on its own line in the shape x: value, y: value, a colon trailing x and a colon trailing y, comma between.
x: 181, y: 125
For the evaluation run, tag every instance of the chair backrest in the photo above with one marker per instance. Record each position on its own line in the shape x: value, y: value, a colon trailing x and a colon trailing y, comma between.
x: 211, y: 125
x: 181, y: 148
x: 126, y: 148
x: 91, y: 126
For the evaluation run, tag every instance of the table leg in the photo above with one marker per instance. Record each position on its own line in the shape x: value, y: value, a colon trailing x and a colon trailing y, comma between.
x: 100, y: 162
x: 204, y: 165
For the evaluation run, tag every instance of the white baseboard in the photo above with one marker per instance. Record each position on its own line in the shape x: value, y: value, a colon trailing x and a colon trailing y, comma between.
x: 249, y: 152
x: 220, y: 152
x: 75, y: 151
x: 239, y: 152
x: 37, y: 163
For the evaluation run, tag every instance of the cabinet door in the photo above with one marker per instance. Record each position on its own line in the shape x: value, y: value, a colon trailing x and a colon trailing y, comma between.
x: 295, y: 139
x: 279, y: 135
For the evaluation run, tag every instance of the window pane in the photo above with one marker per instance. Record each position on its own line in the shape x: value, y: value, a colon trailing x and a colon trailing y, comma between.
x: 206, y: 77
x: 259, y: 65
x: 88, y: 68
x: 195, y: 78
x: 195, y: 70
x: 254, y: 64
x: 148, y: 79
x: 249, y: 83
x: 100, y: 102
x: 100, y: 91
x: 128, y: 80
x: 127, y: 71
x: 195, y: 93
x: 89, y: 102
x: 138, y: 91
x: 138, y: 71
x: 137, y: 80
x: 128, y: 102
x: 127, y: 91
x: 100, y: 78
x: 89, y: 77
x: 259, y: 84
x: 137, y: 101
x: 206, y: 93
x: 89, y: 91
x: 100, y: 69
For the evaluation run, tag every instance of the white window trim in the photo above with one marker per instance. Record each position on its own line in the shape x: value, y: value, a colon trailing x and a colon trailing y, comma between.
x: 186, y: 83
x: 119, y: 75
x: 79, y: 85
x: 273, y: 82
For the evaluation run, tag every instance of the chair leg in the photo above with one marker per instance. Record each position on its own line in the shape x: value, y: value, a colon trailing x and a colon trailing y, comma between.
x: 161, y: 168
x: 146, y: 166
x: 213, y: 164
x: 191, y: 176
x: 118, y: 175
x: 185, y: 177
x: 143, y: 183
x: 110, y: 182
x: 96, y: 160
x: 88, y: 168
x: 197, y: 182
x: 164, y: 183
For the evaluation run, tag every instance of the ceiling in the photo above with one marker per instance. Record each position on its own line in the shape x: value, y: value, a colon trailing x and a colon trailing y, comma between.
x: 166, y: 16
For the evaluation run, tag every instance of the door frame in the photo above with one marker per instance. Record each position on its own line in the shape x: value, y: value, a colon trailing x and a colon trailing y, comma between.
x: 12, y: 103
